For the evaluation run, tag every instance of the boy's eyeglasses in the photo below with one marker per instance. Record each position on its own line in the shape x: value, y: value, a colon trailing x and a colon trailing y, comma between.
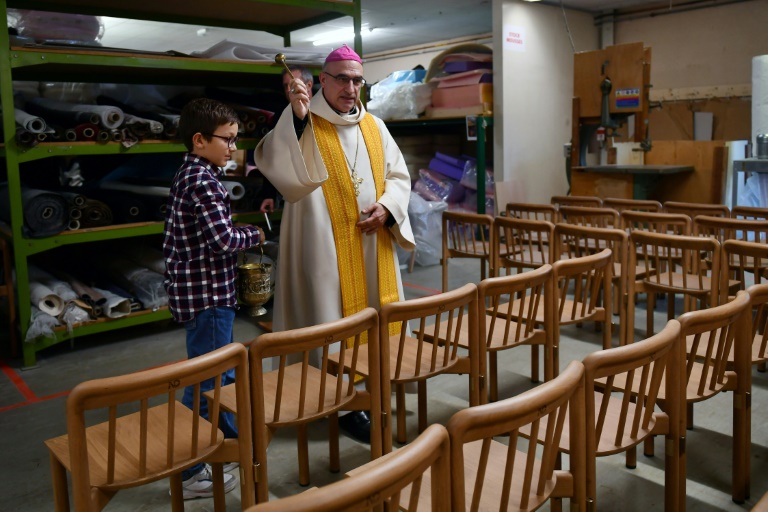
x: 343, y: 80
x: 231, y: 141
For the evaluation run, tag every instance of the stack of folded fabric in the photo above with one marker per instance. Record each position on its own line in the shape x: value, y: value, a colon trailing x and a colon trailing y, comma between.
x: 464, y: 83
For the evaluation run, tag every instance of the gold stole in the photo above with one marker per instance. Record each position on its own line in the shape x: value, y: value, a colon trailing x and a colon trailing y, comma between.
x: 339, y: 192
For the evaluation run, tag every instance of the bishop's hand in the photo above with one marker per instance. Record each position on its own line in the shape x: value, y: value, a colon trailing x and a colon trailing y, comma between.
x: 299, y: 98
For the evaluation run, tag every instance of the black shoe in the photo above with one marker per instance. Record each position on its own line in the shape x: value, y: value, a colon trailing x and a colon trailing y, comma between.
x: 358, y: 425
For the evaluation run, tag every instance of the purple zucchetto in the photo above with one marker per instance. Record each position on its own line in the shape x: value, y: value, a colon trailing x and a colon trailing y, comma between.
x: 344, y: 52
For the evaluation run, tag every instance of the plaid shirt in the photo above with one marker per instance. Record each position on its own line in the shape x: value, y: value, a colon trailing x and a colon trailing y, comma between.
x: 200, y: 244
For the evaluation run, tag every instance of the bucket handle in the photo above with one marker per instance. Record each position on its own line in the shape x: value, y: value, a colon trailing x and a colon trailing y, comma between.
x: 245, y: 258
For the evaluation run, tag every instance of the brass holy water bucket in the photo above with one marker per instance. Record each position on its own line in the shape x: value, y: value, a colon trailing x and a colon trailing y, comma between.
x: 254, y: 285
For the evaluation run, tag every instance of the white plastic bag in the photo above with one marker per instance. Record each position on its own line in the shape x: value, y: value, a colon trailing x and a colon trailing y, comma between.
x: 400, y: 96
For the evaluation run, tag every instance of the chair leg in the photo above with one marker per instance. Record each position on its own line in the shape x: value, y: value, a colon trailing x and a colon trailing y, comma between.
x: 493, y: 377
x: 648, y: 449
x: 60, y: 487
x: 631, y: 462
x: 689, y: 416
x: 333, y: 443
x: 303, y: 446
x: 400, y: 403
x: 535, y: 377
x: 177, y: 494
x: 422, y: 406
x: 650, y: 308
x: 219, y: 501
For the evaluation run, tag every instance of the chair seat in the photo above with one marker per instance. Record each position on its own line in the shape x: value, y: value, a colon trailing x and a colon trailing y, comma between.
x: 127, y: 442
x: 472, y: 249
x: 672, y: 281
x: 608, y: 444
x: 570, y: 313
x: 500, y: 338
x: 289, y: 406
x: 408, y: 370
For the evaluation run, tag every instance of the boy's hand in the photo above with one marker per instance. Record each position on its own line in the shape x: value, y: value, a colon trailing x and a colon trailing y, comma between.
x: 261, y: 235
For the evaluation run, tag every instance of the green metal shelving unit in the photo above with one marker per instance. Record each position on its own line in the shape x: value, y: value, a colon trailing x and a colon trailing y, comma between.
x: 483, y: 123
x: 279, y: 17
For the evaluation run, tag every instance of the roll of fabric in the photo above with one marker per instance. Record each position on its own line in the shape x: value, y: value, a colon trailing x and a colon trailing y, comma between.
x: 45, y: 213
x: 114, y: 305
x: 43, y: 298
x: 235, y: 188
x: 146, y: 284
x: 32, y: 124
x: 86, y: 131
x: 126, y: 207
x: 104, y: 115
x: 95, y: 214
x: 142, y: 190
x: 26, y: 139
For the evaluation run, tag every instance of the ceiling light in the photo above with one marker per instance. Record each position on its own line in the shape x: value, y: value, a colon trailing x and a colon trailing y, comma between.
x: 339, y: 35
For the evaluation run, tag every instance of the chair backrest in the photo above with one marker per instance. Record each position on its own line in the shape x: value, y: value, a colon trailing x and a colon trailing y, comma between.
x: 727, y: 228
x: 466, y: 234
x: 758, y: 296
x: 384, y: 481
x: 521, y: 244
x: 743, y: 262
x: 622, y: 386
x: 585, y: 284
x: 694, y: 209
x: 677, y: 224
x: 529, y: 290
x: 749, y: 213
x: 577, y: 241
x: 638, y: 205
x: 532, y: 211
x: 595, y: 217
x: 487, y: 475
x: 677, y: 264
x: 424, y: 314
x: 630, y: 375
x: 300, y: 389
x: 710, y: 335
x: 576, y: 201
x: 129, y: 454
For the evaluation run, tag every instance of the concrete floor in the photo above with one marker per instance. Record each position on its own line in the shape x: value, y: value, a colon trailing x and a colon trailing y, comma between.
x: 32, y: 410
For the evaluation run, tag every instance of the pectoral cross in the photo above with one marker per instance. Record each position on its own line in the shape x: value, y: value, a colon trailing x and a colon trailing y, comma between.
x: 356, y: 182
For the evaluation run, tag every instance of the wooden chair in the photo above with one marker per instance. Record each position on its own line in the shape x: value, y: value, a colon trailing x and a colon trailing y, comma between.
x: 751, y: 258
x: 489, y: 475
x: 694, y: 209
x: 727, y: 228
x: 532, y: 211
x: 595, y: 217
x: 669, y: 223
x: 671, y: 264
x: 413, y: 478
x: 521, y: 244
x: 710, y: 335
x: 155, y: 442
x: 589, y: 201
x: 749, y: 213
x: 621, y: 386
x: 582, y: 293
x: 638, y: 205
x: 467, y: 235
x: 296, y: 393
x: 407, y: 355
x: 502, y: 331
x: 577, y: 241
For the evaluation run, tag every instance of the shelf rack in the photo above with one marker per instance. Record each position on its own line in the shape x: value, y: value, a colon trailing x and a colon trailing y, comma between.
x: 280, y: 17
x: 483, y: 123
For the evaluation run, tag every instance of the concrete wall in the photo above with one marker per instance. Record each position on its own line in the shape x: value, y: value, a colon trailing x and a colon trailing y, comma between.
x: 705, y: 47
x: 532, y: 111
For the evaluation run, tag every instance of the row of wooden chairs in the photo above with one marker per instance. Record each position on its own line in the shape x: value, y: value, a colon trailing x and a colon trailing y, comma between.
x: 603, y: 405
x: 160, y: 441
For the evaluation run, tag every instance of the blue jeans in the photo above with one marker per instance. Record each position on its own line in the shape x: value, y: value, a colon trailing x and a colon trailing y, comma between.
x: 209, y: 330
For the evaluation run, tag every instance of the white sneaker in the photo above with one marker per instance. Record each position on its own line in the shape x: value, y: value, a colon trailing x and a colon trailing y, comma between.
x: 200, y: 485
x: 231, y: 466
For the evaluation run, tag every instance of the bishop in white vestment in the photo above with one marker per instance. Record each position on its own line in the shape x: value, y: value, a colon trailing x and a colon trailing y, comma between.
x: 346, y: 188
